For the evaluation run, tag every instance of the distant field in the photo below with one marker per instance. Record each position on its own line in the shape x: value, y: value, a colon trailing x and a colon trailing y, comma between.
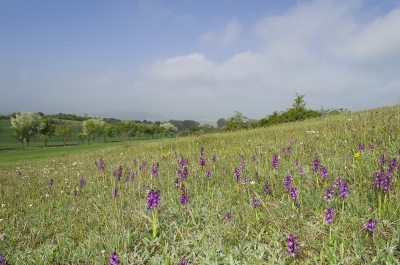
x: 7, y: 142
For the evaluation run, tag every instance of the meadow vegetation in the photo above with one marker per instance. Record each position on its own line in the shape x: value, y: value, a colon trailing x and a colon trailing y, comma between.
x: 319, y: 191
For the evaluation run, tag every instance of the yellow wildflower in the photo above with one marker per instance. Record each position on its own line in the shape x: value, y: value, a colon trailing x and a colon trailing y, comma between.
x: 357, y: 155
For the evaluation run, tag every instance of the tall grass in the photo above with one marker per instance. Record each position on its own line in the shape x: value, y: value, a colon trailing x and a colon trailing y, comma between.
x: 78, y: 219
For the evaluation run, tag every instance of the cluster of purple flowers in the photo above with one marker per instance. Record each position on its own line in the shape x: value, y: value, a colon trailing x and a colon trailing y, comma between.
x: 266, y: 187
x: 254, y: 202
x: 228, y: 217
x: 143, y: 166
x: 213, y: 159
x: 237, y: 174
x: 275, y: 162
x: 115, y: 193
x: 329, y: 213
x: 182, y: 174
x: 208, y: 174
x: 81, y: 182
x: 3, y: 259
x: 328, y: 194
x: 184, y: 198
x: 361, y: 147
x: 183, y: 161
x: 51, y: 182
x: 100, y: 164
x: 371, y: 225
x: 133, y: 175
x: 202, y: 161
x: 343, y: 188
x: 114, y: 259
x: 286, y: 150
x: 293, y: 243
x: 154, y: 170
x: 383, y: 178
x: 323, y: 171
x: 153, y: 199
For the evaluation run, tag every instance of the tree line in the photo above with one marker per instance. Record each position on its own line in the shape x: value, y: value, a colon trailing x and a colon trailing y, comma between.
x: 26, y: 125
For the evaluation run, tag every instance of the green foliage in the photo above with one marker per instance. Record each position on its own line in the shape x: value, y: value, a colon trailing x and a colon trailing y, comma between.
x: 81, y: 137
x: 298, y: 112
x: 221, y: 123
x: 64, y: 131
x: 24, y: 126
x: 237, y: 122
x: 47, y: 130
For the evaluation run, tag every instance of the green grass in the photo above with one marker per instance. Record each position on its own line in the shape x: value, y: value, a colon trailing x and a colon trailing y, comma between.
x: 43, y: 224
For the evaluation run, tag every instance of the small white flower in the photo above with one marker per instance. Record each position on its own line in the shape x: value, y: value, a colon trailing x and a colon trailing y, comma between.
x: 252, y: 182
x: 30, y: 205
x: 75, y: 163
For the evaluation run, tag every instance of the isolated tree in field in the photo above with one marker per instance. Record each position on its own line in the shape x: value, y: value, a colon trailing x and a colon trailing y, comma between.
x: 64, y: 131
x: 89, y: 128
x: 81, y: 137
x: 108, y: 131
x: 46, y: 131
x: 236, y: 122
x: 171, y: 129
x: 24, y: 126
x: 221, y: 122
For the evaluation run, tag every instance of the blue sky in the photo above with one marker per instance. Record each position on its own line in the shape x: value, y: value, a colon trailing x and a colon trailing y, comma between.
x: 201, y: 60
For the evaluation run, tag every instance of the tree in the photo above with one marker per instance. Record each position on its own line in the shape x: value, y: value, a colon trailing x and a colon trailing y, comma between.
x: 64, y: 131
x: 47, y: 130
x: 237, y: 122
x: 170, y: 128
x: 108, y: 131
x: 81, y: 137
x: 221, y: 122
x: 24, y: 126
x: 93, y: 127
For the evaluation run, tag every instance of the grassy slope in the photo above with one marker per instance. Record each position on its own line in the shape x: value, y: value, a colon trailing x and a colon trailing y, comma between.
x: 34, y: 214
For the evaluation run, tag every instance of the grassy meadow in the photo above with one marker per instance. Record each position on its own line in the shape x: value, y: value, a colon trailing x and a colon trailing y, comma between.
x: 321, y: 191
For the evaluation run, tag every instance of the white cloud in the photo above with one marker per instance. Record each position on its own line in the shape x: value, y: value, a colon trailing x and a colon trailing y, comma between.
x: 228, y: 35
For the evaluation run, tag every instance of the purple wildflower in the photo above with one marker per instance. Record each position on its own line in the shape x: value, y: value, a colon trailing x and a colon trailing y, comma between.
x: 371, y: 147
x: 288, y: 182
x: 296, y: 162
x: 114, y: 259
x: 383, y: 160
x: 134, y: 162
x: 153, y: 199
x: 328, y: 194
x: 228, y: 217
x: 184, y: 199
x: 81, y: 182
x: 300, y: 170
x: 133, y: 175
x: 329, y: 213
x: 316, y: 164
x: 208, y: 174
x: 371, y: 225
x: 343, y: 188
x: 237, y: 174
x: 183, y: 161
x: 3, y: 259
x: 254, y: 202
x: 244, y: 180
x: 275, y: 162
x: 266, y: 187
x: 283, y: 150
x: 361, y: 147
x: 115, y: 193
x: 119, y: 172
x: 213, y: 159
x: 293, y: 193
x: 288, y: 150
x: 202, y: 162
x: 76, y: 193
x: 202, y: 151
x: 51, y: 182
x: 324, y: 173
x: 154, y: 170
x: 293, y: 243
x: 184, y: 261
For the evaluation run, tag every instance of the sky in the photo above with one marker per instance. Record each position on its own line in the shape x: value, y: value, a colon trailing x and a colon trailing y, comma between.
x: 197, y: 59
